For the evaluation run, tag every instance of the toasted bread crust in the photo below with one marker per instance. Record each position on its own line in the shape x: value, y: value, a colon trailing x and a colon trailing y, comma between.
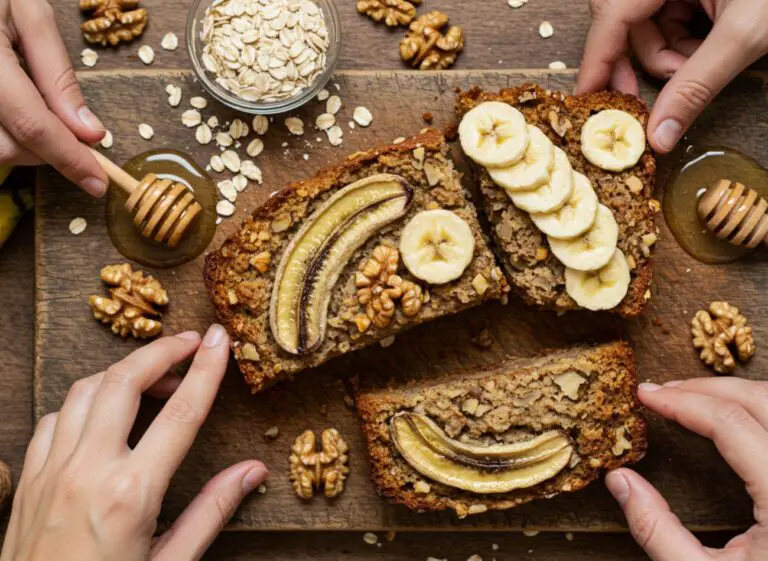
x: 246, y: 316
x: 607, y: 402
x: 542, y: 282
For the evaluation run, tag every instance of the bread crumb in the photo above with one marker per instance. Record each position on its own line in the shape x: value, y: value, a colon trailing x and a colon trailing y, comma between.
x: 428, y: 117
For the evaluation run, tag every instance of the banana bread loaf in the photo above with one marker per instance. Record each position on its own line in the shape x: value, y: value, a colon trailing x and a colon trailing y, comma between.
x: 551, y: 253
x: 366, y: 249
x: 522, y: 430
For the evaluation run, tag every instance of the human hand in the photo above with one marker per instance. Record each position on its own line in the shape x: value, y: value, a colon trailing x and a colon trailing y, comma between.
x: 84, y: 495
x: 43, y: 116
x: 733, y: 413
x: 656, y: 30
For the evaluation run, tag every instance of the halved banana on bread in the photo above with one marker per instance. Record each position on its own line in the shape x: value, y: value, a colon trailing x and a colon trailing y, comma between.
x: 575, y: 217
x: 602, y: 289
x: 553, y: 194
x: 533, y: 170
x: 436, y: 246
x: 612, y: 140
x: 494, y: 134
x: 592, y: 249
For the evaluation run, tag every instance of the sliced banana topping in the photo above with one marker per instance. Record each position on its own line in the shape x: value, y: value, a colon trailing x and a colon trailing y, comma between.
x: 494, y: 134
x: 592, y: 249
x: 613, y: 140
x: 533, y: 170
x: 552, y: 195
x: 576, y: 217
x: 437, y: 245
x: 603, y: 289
x: 497, y: 468
x: 316, y: 255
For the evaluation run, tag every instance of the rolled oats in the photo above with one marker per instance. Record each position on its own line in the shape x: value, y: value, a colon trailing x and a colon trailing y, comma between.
x: 198, y: 102
x: 240, y: 181
x: 191, y: 118
x: 146, y: 132
x: 146, y: 54
x: 557, y: 65
x: 362, y: 116
x: 170, y: 42
x: 213, y: 121
x: 255, y: 147
x: 323, y: 94
x: 216, y: 163
x: 295, y: 126
x: 225, y: 208
x: 89, y: 57
x: 251, y: 171
x: 333, y: 105
x: 203, y: 134
x: 107, y: 141
x: 227, y: 190
x: 174, y: 95
x: 77, y: 226
x: 231, y: 160
x: 224, y: 139
x: 546, y: 30
x: 238, y: 129
x: 335, y: 135
x: 325, y: 121
x: 260, y: 124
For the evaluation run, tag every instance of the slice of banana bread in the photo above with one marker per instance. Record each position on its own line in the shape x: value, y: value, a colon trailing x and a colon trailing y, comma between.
x: 349, y: 257
x: 522, y: 430
x: 535, y: 273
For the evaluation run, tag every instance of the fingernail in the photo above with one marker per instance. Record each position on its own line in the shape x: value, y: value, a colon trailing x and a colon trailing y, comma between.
x: 618, y: 486
x: 216, y: 334
x: 189, y: 335
x: 94, y: 186
x: 90, y: 120
x: 649, y: 387
x: 668, y: 133
x: 254, y: 478
x: 673, y: 384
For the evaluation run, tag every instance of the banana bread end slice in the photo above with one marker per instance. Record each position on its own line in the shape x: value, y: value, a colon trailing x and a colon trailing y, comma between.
x: 585, y: 394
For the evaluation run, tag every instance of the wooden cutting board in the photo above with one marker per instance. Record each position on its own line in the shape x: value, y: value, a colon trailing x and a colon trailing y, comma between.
x: 71, y: 344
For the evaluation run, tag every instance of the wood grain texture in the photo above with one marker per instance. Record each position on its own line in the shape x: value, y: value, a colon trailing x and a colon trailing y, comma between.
x: 496, y: 35
x: 680, y: 465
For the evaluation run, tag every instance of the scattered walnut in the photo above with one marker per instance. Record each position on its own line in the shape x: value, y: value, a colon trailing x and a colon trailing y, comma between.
x: 622, y: 444
x: 261, y: 261
x: 559, y: 124
x: 426, y: 48
x: 326, y: 468
x: 715, y: 330
x: 393, y: 12
x: 113, y: 21
x: 133, y: 298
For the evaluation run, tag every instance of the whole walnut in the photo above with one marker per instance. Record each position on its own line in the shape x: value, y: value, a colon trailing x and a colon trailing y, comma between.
x: 715, y: 330
x: 113, y: 21
x: 426, y: 47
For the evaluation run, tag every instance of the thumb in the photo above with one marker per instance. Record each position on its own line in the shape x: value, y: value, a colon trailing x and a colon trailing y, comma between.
x: 729, y: 48
x: 655, y: 528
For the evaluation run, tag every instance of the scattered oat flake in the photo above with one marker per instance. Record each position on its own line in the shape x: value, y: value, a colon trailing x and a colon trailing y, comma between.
x: 333, y: 105
x: 213, y: 121
x: 262, y: 489
x: 198, y: 102
x: 225, y: 208
x: 146, y: 54
x: 146, y: 132
x: 295, y: 126
x: 362, y: 116
x: 251, y: 171
x: 89, y: 57
x: 399, y: 140
x: 240, y: 182
x: 107, y: 141
x: 174, y: 95
x: 305, y: 156
x: 370, y: 538
x: 557, y: 65
x: 546, y: 30
x: 569, y: 536
x: 495, y: 547
x: 515, y: 4
x: 170, y: 42
x: 325, y: 121
x: 272, y: 433
x: 191, y: 118
x: 203, y: 134
x: 260, y: 124
x: 219, y: 220
x: 530, y: 533
x: 224, y: 139
x: 255, y: 147
x: 323, y: 94
x: 77, y: 226
x: 351, y: 125
x: 238, y: 129
x: 474, y: 557
x: 231, y: 160
x: 216, y: 163
x: 227, y: 190
x: 335, y: 135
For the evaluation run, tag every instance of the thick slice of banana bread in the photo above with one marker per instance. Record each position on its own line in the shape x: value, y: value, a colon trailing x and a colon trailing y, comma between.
x: 580, y: 405
x: 341, y: 282
x: 534, y: 272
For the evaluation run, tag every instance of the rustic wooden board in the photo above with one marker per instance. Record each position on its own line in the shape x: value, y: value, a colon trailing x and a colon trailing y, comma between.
x: 70, y: 344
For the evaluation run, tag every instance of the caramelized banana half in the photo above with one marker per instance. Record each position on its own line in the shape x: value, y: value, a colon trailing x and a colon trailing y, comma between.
x: 496, y: 468
x: 318, y: 253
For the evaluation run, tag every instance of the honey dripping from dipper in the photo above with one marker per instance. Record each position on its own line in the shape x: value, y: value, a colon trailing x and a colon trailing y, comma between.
x: 702, y: 169
x: 163, y: 227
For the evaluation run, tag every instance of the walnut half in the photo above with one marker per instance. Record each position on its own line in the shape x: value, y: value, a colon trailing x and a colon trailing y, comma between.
x: 714, y: 330
x: 426, y: 47
x: 131, y: 307
x: 312, y: 469
x: 113, y: 21
x: 392, y: 12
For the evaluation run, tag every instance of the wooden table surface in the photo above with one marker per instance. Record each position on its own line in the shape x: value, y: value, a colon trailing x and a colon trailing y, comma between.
x: 497, y: 37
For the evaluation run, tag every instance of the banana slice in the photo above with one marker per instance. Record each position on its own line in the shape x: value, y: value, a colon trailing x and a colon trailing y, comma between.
x: 550, y: 196
x: 533, y: 170
x: 437, y: 245
x: 594, y: 248
x: 576, y: 217
x: 603, y: 289
x: 613, y: 140
x: 494, y: 134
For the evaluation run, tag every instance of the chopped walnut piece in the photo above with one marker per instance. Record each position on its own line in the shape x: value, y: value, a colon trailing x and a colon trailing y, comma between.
x: 113, y: 21
x: 131, y: 301
x: 426, y: 48
x: 392, y: 12
x: 312, y: 469
x: 714, y: 330
x: 261, y: 261
x: 561, y: 125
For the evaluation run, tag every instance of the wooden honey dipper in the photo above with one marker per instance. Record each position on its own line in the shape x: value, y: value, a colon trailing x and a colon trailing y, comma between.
x: 163, y: 209
x: 735, y: 213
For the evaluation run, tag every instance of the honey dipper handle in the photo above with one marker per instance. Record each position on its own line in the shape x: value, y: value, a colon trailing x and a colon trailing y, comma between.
x: 121, y: 178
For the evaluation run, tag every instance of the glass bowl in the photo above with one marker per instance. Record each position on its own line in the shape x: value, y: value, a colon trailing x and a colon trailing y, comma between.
x: 195, y: 48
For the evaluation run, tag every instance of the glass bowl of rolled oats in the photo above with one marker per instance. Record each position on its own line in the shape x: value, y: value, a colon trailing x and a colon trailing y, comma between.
x: 263, y: 56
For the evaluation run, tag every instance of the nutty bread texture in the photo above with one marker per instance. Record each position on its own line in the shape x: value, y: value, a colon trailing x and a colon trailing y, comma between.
x: 241, y: 292
x: 535, y: 274
x: 509, y: 402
